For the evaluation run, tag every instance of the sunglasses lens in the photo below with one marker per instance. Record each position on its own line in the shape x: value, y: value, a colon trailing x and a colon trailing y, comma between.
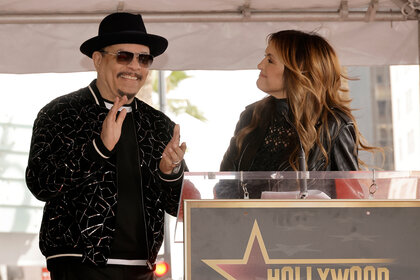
x: 124, y: 57
x: 145, y: 59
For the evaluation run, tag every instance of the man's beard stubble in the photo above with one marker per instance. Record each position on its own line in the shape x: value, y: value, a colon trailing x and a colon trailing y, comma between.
x: 129, y: 94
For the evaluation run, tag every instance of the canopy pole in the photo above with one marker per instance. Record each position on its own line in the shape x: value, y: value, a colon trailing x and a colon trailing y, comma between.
x: 162, y: 91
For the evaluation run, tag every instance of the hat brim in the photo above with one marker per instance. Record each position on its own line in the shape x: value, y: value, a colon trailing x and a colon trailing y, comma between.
x: 156, y: 44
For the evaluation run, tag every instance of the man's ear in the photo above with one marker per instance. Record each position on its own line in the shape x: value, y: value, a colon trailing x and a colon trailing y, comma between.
x: 97, y: 59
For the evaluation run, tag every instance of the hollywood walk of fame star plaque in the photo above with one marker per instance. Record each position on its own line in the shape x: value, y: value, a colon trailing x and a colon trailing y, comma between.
x: 302, y: 239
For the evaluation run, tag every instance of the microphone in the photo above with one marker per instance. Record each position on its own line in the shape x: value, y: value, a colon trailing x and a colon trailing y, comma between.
x: 303, y: 184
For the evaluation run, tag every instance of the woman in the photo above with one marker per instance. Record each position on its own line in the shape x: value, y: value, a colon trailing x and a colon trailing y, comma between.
x: 305, y: 122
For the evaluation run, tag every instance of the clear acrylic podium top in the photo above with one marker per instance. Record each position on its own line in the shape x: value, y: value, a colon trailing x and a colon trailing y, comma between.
x: 290, y: 185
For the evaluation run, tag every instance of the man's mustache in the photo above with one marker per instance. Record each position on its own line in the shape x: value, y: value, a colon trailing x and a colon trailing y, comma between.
x: 138, y: 76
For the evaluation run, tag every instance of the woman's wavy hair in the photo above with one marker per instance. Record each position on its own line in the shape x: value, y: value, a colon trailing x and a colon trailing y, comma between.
x: 312, y: 81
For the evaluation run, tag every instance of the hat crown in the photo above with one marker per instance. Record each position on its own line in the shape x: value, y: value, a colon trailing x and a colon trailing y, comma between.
x: 121, y: 22
x: 124, y: 28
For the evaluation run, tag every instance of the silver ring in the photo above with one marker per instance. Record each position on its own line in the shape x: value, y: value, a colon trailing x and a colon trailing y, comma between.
x: 176, y: 162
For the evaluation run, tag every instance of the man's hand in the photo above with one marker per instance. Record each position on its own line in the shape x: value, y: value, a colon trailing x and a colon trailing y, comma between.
x: 111, y: 128
x: 173, y: 153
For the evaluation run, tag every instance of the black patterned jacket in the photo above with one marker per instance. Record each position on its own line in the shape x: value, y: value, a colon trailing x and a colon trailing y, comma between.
x: 68, y: 171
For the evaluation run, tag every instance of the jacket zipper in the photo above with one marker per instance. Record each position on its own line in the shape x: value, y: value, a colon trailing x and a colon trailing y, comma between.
x: 149, y: 264
x: 242, y: 155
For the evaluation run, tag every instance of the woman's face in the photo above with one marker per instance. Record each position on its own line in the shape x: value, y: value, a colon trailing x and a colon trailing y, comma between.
x: 271, y: 76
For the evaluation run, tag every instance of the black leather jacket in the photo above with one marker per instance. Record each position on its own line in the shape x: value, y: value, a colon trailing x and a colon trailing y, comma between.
x: 342, y: 151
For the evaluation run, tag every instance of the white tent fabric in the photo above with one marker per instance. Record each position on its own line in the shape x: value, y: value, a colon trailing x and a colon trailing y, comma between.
x: 44, y: 36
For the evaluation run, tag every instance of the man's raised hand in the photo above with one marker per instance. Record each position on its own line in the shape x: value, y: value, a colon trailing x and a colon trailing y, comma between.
x: 173, y: 153
x: 111, y: 127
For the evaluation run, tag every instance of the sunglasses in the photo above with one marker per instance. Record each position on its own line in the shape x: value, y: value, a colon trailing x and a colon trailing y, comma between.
x: 125, y: 57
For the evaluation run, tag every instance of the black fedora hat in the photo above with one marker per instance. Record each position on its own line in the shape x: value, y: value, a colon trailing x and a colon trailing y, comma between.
x: 124, y: 28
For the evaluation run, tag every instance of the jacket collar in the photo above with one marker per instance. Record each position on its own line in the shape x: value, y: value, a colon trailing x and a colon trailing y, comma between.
x: 98, y: 97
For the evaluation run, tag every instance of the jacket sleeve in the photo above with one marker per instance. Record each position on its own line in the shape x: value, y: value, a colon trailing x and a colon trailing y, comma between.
x: 172, y: 188
x: 230, y: 188
x: 344, y: 156
x: 58, y: 161
x: 168, y: 187
x: 230, y: 161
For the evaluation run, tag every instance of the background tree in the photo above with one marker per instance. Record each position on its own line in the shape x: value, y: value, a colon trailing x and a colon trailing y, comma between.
x: 176, y: 106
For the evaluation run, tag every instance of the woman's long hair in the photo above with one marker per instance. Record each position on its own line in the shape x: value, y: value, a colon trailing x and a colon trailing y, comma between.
x: 312, y: 81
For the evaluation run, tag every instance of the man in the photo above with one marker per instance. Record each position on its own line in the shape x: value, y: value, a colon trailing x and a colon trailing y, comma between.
x: 107, y: 165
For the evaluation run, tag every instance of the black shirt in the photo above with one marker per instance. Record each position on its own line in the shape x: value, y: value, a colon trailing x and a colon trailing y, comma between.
x: 130, y: 234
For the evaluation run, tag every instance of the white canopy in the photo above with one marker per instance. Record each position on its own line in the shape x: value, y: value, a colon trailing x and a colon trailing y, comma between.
x: 44, y: 36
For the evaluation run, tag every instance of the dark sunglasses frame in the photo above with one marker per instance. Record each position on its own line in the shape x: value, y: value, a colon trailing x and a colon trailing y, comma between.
x: 125, y: 57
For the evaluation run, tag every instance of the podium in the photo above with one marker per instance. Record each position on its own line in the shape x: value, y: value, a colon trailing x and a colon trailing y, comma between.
x: 368, y: 229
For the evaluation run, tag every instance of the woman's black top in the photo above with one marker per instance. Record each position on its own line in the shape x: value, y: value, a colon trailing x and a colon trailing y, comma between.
x: 279, y: 142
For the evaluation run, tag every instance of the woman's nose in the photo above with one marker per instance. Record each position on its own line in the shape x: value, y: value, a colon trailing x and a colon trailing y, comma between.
x: 260, y: 65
